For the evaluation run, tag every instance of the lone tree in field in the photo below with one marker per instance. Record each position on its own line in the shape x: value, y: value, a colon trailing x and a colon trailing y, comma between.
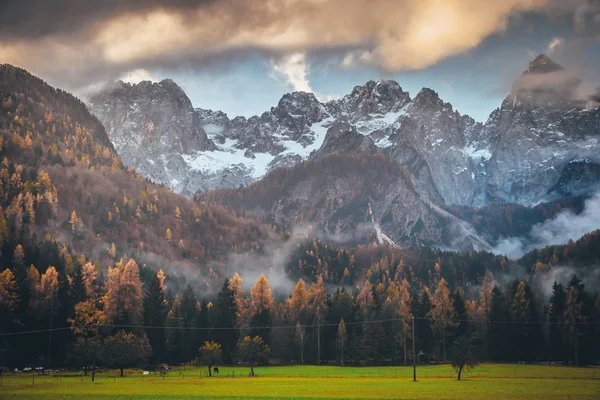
x: 210, y: 353
x: 464, y: 354
x: 253, y: 351
x: 126, y: 349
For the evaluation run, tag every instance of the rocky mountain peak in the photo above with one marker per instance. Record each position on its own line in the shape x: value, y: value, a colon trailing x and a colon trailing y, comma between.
x: 428, y: 99
x: 374, y: 97
x: 300, y: 103
x: 545, y: 84
x: 542, y: 64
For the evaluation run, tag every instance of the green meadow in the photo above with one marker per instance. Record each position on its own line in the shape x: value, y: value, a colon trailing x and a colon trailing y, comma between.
x: 489, y: 381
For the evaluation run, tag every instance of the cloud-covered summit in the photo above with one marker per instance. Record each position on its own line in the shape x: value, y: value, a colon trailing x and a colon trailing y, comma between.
x: 88, y: 39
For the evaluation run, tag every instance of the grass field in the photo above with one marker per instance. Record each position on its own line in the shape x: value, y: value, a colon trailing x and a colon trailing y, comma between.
x: 489, y: 381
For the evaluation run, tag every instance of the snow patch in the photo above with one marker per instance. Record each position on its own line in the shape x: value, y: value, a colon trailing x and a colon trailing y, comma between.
x: 378, y: 122
x: 213, y: 129
x: 478, y: 154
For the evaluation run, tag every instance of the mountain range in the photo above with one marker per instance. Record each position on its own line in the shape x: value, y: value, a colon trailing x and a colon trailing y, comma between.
x: 540, y: 145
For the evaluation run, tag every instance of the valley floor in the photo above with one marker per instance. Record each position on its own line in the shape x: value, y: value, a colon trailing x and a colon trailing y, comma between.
x: 490, y: 381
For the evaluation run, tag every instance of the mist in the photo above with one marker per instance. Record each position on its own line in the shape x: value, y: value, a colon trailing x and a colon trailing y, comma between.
x: 543, y: 280
x: 563, y: 227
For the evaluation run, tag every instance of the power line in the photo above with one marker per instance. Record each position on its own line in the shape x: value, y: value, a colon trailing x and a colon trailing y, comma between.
x: 245, y: 327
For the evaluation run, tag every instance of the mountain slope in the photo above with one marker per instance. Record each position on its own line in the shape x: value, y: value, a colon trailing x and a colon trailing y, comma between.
x: 63, y: 182
x: 352, y: 198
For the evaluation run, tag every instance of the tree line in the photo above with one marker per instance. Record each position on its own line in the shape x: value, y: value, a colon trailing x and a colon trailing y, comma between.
x: 128, y: 317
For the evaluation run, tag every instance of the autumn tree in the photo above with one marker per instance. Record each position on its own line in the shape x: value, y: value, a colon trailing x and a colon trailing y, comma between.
x: 298, y: 304
x: 124, y: 350
x: 442, y: 311
x: 235, y: 284
x: 261, y: 307
x: 405, y: 313
x: 318, y: 301
x: 210, y: 354
x: 124, y: 299
x: 76, y: 224
x: 89, y: 277
x: 9, y: 294
x: 370, y: 335
x: 45, y: 299
x: 529, y: 331
x: 253, y: 351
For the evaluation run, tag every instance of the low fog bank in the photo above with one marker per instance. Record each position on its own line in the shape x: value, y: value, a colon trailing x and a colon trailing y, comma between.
x: 543, y: 280
x: 563, y: 227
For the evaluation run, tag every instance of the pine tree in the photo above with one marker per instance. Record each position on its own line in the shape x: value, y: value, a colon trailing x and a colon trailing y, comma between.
x: 226, y: 320
x: 155, y: 314
x: 525, y: 314
x: 422, y: 312
x: 189, y: 314
x: 497, y: 337
x: 556, y: 322
x: 460, y: 316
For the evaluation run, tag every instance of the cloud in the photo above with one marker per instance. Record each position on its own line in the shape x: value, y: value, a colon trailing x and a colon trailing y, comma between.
x: 563, y: 227
x: 554, y: 44
x: 95, y: 40
x: 138, y: 75
x: 293, y: 69
x: 358, y: 58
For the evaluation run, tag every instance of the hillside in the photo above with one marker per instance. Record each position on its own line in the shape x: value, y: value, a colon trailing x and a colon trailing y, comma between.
x: 350, y: 197
x: 62, y: 181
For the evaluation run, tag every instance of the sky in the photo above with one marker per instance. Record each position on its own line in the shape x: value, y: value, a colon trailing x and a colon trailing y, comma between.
x: 241, y: 56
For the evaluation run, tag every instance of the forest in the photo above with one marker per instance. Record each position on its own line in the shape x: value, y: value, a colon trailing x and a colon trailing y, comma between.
x: 99, y: 266
x: 130, y: 318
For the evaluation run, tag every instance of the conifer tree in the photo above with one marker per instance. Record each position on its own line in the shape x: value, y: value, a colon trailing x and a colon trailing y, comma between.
x: 155, y: 314
x: 556, y: 322
x: 226, y: 320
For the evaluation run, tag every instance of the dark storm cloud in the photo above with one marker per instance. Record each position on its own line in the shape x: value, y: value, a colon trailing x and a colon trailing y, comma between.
x: 80, y: 42
x: 33, y: 19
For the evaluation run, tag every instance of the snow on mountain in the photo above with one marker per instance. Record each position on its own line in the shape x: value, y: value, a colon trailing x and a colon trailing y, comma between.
x: 518, y: 155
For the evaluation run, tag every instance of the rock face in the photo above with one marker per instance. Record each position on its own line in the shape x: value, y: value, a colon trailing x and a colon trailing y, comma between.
x: 539, y: 145
x: 541, y: 127
x: 152, y: 126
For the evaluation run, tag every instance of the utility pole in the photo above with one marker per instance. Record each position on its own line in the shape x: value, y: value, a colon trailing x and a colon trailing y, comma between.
x: 414, y: 331
x: 318, y: 341
x: 95, y: 352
